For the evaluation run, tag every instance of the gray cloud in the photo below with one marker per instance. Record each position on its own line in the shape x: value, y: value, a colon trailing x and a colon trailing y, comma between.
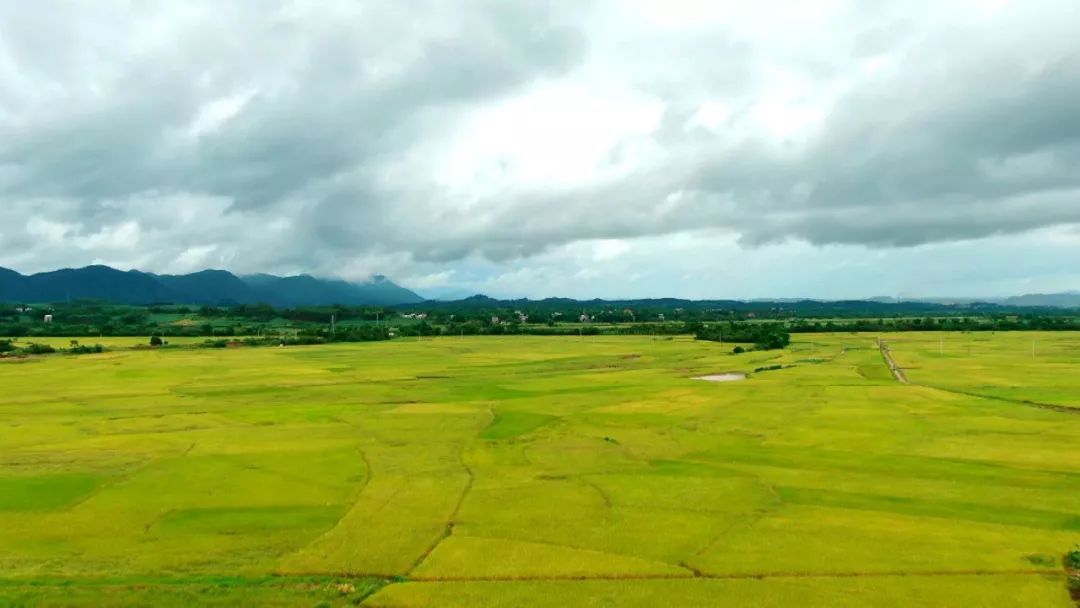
x: 308, y: 134
x: 332, y: 92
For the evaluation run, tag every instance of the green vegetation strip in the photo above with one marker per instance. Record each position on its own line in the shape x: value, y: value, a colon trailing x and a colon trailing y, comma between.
x: 191, y: 590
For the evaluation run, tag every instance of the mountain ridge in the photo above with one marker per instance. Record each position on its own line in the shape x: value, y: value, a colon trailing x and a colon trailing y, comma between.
x: 221, y: 287
x: 210, y: 286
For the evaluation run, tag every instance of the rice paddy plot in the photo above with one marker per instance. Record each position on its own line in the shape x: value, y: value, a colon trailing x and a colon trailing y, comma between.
x: 508, y: 471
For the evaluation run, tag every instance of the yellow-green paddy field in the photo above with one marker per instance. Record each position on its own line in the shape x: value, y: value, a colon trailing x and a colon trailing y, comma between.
x: 545, y: 471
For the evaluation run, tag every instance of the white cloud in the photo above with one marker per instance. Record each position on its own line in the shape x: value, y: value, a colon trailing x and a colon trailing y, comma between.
x: 609, y: 249
x: 125, y: 235
x: 213, y: 115
x: 194, y: 259
x: 53, y: 232
x: 528, y: 147
x: 444, y: 278
x: 550, y: 136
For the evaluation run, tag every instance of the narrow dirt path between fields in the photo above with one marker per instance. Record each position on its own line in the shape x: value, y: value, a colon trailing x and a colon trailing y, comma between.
x: 1046, y: 406
x: 898, y: 373
x: 733, y: 576
x: 1074, y: 590
x: 893, y: 367
x: 451, y: 520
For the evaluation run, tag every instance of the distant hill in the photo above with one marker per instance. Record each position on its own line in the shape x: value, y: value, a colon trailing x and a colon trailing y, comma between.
x: 220, y: 287
x: 446, y: 294
x: 100, y: 282
x: 217, y: 287
x: 304, y: 289
x: 210, y: 287
x: 1068, y: 299
x: 880, y: 308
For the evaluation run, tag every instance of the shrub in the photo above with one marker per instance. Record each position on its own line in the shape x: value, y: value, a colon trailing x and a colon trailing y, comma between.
x: 738, y: 350
x: 1072, y: 558
x: 773, y: 340
x: 764, y: 336
x: 156, y: 341
x: 6, y: 346
x: 38, y: 349
x: 84, y: 349
x: 1038, y: 559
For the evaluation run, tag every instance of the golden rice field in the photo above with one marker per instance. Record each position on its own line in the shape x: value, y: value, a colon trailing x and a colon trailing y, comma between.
x: 544, y: 471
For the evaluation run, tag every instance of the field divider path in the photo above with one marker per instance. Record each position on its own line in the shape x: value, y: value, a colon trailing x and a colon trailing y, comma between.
x: 1046, y: 406
x: 893, y: 367
x: 449, y: 529
x: 283, y: 579
x: 358, y: 496
x: 694, y: 573
x: 451, y: 521
x: 900, y: 377
x: 755, y: 517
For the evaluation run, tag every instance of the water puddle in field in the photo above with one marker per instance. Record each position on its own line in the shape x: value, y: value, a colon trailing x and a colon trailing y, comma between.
x: 729, y: 377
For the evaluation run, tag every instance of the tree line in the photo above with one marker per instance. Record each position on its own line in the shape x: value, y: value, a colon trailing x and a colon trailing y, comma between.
x: 95, y: 318
x: 764, y: 336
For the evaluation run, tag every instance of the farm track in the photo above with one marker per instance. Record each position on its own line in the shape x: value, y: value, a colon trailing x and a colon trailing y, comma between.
x: 1046, y: 406
x: 898, y: 373
x: 341, y: 520
x: 451, y: 521
x: 697, y: 574
x: 1074, y: 591
x: 756, y: 517
x: 305, y: 579
x: 893, y: 367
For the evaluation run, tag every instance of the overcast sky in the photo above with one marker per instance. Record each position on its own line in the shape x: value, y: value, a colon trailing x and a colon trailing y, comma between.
x: 615, y: 148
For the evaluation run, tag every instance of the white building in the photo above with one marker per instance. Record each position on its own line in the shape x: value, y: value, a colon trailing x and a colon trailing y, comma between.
x: 48, y: 318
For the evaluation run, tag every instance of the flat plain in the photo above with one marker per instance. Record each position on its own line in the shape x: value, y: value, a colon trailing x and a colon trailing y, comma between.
x: 545, y: 471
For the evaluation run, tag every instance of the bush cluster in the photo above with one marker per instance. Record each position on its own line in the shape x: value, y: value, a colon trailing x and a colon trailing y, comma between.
x: 37, y: 349
x: 764, y: 336
x: 1072, y: 558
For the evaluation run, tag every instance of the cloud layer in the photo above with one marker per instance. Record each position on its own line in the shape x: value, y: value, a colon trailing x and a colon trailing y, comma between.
x: 489, y: 138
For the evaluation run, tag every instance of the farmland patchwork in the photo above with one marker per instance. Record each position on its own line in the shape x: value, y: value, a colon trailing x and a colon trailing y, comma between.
x: 545, y: 471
